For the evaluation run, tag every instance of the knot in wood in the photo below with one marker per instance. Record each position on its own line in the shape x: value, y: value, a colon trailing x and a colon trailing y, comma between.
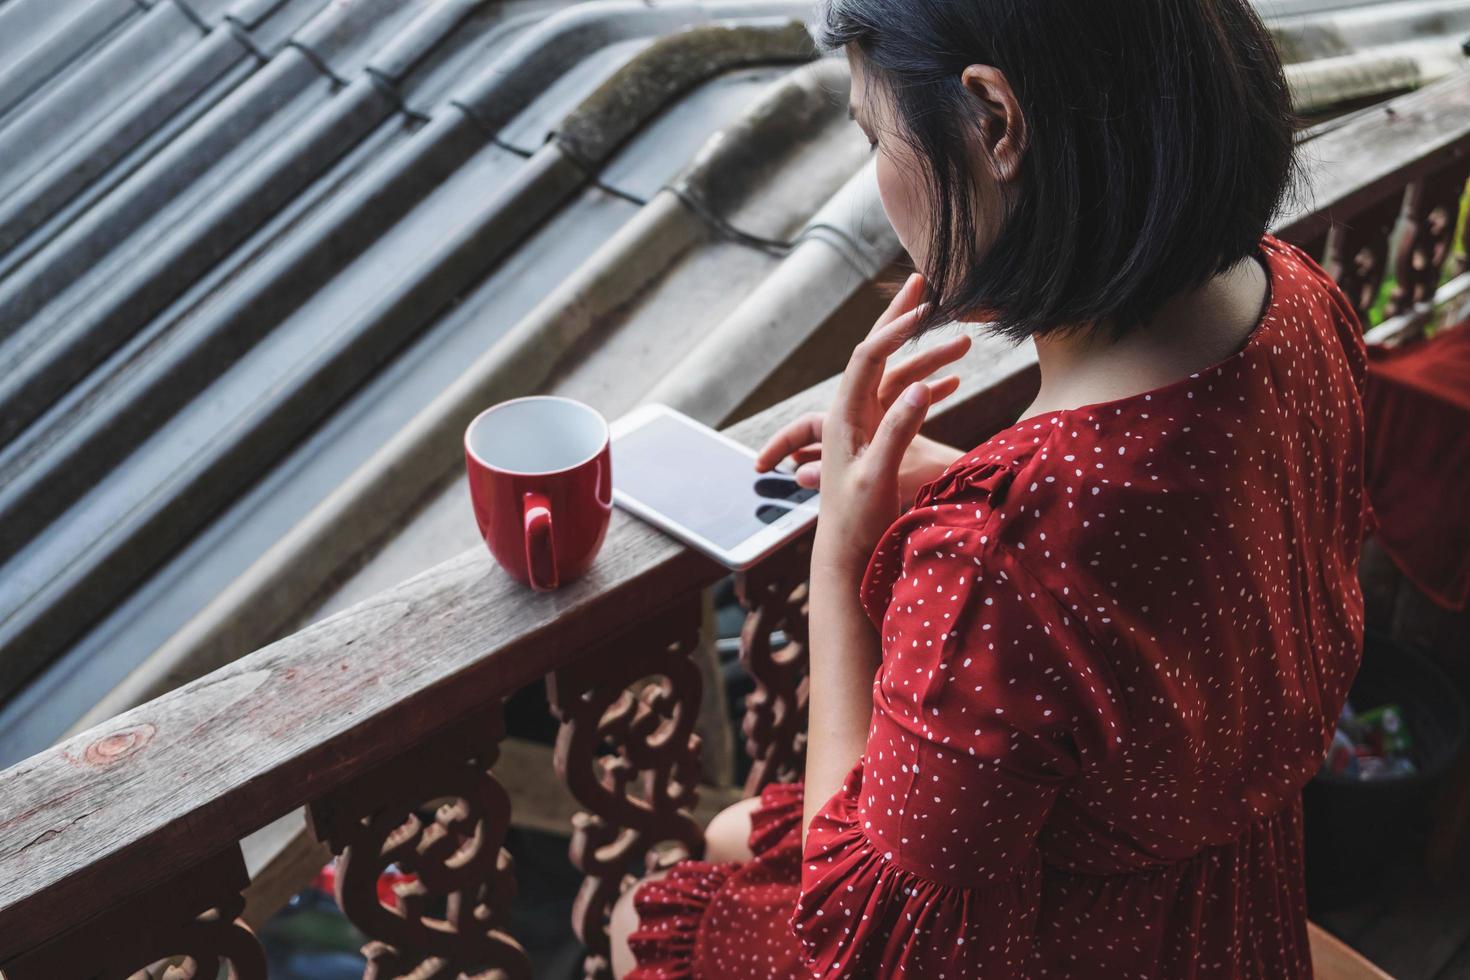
x: 119, y: 744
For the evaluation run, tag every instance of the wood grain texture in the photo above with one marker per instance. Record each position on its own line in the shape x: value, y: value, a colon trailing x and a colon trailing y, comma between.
x: 137, y: 800
x: 190, y: 922
x: 1378, y: 154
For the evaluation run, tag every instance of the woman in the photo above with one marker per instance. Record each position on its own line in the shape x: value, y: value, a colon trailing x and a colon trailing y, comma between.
x: 1063, y: 705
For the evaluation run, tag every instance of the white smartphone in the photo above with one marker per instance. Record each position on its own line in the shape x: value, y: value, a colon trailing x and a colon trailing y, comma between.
x: 702, y: 487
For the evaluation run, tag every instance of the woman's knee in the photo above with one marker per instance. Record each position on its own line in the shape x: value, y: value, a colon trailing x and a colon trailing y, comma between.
x: 727, y: 838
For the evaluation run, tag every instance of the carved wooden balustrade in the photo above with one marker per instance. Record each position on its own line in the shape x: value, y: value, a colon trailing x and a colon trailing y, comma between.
x: 1389, y: 183
x: 120, y: 849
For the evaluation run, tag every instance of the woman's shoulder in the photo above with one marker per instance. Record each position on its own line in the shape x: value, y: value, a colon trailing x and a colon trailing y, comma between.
x: 1311, y: 294
x: 957, y: 514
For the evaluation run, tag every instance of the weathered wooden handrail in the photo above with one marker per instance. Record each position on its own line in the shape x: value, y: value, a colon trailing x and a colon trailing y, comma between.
x: 1402, y: 166
x: 116, y: 844
x: 142, y: 799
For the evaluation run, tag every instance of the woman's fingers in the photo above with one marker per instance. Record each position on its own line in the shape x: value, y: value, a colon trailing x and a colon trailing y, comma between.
x: 943, y: 388
x: 902, y: 301
x: 920, y: 366
x: 866, y: 364
x: 808, y: 459
x: 901, y: 423
x: 867, y: 379
x: 801, y: 439
x: 795, y: 435
x: 858, y: 388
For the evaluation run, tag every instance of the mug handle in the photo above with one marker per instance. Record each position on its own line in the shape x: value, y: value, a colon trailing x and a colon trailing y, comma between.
x: 540, y: 555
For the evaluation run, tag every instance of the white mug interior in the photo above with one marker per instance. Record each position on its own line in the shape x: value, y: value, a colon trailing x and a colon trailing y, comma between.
x: 537, y: 434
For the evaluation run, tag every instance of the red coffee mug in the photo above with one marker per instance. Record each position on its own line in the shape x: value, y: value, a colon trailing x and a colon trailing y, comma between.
x: 540, y: 474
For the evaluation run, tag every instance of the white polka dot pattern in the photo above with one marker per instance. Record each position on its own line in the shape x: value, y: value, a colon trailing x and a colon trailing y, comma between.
x: 1115, y: 642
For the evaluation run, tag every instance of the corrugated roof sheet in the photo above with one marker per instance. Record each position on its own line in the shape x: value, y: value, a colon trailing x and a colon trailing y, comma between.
x: 294, y: 198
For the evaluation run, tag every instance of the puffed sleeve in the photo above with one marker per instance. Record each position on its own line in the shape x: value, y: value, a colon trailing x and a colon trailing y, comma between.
x: 991, y: 697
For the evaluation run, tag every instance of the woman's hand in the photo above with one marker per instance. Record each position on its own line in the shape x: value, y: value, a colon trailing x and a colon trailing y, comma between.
x: 924, y: 459
x: 869, y: 429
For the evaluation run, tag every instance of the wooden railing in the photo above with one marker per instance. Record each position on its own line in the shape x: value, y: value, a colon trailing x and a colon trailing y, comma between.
x: 120, y: 848
x: 1389, y: 182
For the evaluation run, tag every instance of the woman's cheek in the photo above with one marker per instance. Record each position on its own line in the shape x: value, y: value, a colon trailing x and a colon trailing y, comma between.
x: 897, y: 195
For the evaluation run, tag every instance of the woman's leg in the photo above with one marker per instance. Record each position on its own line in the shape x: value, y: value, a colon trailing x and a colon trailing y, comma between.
x: 727, y: 838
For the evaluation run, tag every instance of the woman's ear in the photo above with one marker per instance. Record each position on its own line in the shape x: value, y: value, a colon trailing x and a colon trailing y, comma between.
x: 1002, y: 125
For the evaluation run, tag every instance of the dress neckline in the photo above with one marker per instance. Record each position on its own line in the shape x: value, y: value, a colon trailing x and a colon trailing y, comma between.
x: 1269, y: 251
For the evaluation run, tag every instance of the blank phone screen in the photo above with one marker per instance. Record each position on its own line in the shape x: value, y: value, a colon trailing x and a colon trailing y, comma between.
x: 699, y: 481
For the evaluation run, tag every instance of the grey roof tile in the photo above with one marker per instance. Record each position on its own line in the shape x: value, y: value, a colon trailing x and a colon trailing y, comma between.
x: 33, y: 136
x: 40, y: 38
x: 131, y: 319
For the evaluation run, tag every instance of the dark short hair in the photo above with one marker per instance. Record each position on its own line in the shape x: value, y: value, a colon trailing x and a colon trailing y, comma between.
x: 1160, y: 145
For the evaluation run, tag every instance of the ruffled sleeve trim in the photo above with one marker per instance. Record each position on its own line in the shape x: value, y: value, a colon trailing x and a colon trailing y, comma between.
x: 777, y: 818
x: 859, y: 909
x: 983, y: 484
x: 988, y: 476
x: 671, y: 910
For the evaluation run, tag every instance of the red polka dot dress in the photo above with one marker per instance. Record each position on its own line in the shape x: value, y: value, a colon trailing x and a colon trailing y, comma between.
x: 1115, y: 642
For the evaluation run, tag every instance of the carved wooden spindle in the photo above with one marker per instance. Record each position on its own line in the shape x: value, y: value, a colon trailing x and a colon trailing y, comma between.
x: 774, y: 593
x: 457, y: 857
x: 1357, y: 252
x: 1430, y: 212
x: 180, y: 929
x: 632, y: 759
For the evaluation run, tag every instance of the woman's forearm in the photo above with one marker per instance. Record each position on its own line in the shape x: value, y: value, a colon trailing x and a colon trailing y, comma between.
x: 843, y: 647
x: 844, y: 652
